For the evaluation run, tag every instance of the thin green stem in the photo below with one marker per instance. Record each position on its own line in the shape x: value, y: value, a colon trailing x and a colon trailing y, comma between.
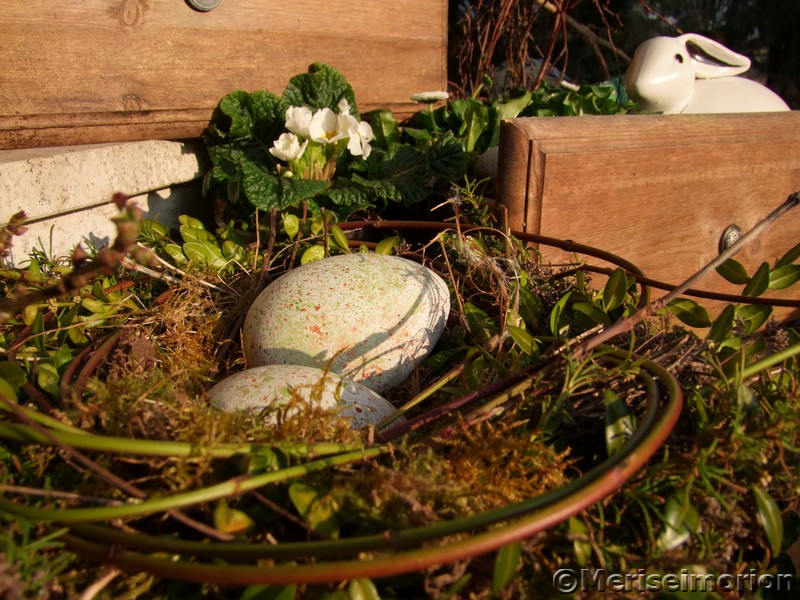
x: 771, y: 361
x: 225, y: 489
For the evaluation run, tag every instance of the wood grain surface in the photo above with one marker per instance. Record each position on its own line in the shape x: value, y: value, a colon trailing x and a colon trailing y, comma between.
x: 115, y: 70
x: 657, y: 190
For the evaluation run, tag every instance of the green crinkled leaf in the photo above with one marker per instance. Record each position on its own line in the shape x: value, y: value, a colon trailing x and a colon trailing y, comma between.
x: 321, y: 87
x: 235, y: 106
x: 267, y: 191
x: 355, y: 197
x: 733, y: 271
x: 769, y: 515
x: 689, y: 312
x: 445, y: 159
x: 784, y: 277
x: 759, y: 282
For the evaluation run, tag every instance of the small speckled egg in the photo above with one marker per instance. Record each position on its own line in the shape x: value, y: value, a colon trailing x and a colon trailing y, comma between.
x: 370, y: 317
x: 257, y: 388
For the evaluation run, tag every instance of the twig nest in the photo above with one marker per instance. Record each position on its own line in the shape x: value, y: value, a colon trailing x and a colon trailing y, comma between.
x: 370, y: 317
x: 288, y: 385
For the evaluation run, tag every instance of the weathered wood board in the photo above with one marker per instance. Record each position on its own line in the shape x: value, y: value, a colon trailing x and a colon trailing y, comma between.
x: 657, y: 190
x: 116, y: 70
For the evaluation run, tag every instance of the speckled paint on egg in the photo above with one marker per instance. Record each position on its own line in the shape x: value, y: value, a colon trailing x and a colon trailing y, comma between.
x: 370, y: 317
x: 260, y: 387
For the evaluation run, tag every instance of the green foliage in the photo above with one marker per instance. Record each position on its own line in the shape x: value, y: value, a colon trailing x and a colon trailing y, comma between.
x: 477, y: 124
x: 246, y: 175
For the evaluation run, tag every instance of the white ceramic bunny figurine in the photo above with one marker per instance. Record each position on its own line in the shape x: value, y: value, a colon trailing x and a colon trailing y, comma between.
x: 693, y: 74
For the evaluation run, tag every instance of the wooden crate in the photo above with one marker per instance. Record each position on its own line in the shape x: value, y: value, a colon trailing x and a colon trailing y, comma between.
x: 115, y: 70
x: 657, y: 190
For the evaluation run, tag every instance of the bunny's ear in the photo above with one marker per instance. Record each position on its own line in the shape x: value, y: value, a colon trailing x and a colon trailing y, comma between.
x: 711, y: 59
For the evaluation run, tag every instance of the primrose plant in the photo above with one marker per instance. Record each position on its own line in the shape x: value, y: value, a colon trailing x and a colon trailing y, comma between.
x: 309, y: 149
x: 315, y: 141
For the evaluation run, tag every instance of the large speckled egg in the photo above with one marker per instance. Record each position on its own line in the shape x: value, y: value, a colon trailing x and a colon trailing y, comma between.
x: 370, y: 317
x: 260, y: 387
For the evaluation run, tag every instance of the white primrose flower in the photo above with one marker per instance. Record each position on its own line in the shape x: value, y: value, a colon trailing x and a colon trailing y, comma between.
x: 360, y: 137
x: 430, y: 97
x: 344, y: 106
x: 298, y: 120
x: 288, y: 147
x: 325, y: 126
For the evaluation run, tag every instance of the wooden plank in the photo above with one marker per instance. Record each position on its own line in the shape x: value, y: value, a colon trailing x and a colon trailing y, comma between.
x: 94, y: 70
x: 656, y: 190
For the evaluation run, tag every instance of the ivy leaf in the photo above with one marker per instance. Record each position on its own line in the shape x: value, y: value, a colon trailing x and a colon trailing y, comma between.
x: 759, y: 282
x: 769, y: 515
x: 321, y: 87
x: 505, y: 566
x: 733, y: 271
x: 689, y: 312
